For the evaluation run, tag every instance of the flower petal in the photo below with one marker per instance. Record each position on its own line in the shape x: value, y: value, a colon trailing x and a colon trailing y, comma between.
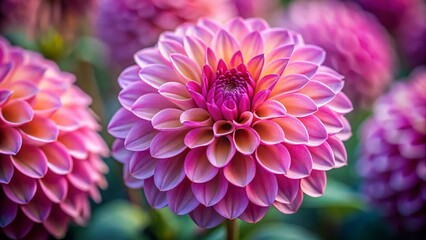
x: 310, y: 53
x: 274, y: 158
x: 316, y: 130
x: 7, y: 169
x: 270, y: 132
x: 253, y: 213
x: 196, y: 117
x: 10, y: 142
x: 187, y: 69
x: 140, y: 136
x: 301, y: 67
x: 252, y: 45
x: 75, y: 145
x: 58, y: 159
x: 233, y: 204
x: 314, y: 185
x: 241, y: 170
x: 224, y: 45
x: 246, y: 140
x: 297, y: 105
x: 332, y: 122
x: 4, y: 94
x: 287, y: 189
x: 195, y: 48
x: 168, y: 144
x: 142, y: 165
x: 318, y: 92
x: 167, y: 120
x: 54, y: 186
x: 222, y: 128
x: 169, y: 173
x: 155, y: 197
x: 168, y: 47
x: 293, y: 206
x: 181, y: 200
x: 301, y: 161
x: 199, y: 137
x: 30, y: 161
x: 8, y: 210
x: 270, y: 109
x: 38, y: 209
x: 263, y: 190
x: 21, y: 189
x: 147, y: 56
x: 128, y: 76
x: 156, y: 75
x: 322, y: 157
x: 19, y: 228
x: 121, y: 123
x: 178, y: 94
x: 132, y: 92
x: 340, y: 103
x: 211, y: 192
x: 16, y: 113
x: 206, y: 217
x: 57, y: 223
x: 150, y: 104
x: 40, y: 130
x: 289, y: 83
x: 255, y: 66
x: 221, y: 151
x: 339, y: 150
x: 294, y: 130
x: 197, y: 167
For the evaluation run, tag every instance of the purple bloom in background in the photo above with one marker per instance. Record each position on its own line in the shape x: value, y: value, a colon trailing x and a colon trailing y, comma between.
x: 50, y: 152
x: 129, y: 25
x: 393, y: 154
x: 356, y: 44
x: 225, y: 121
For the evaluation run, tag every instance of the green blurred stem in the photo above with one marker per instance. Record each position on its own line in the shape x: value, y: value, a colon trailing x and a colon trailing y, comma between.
x: 231, y: 229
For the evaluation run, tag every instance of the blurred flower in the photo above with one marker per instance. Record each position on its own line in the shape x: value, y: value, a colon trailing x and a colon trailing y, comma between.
x: 255, y: 8
x: 50, y: 153
x: 128, y: 25
x: 393, y: 154
x: 356, y: 45
x: 224, y: 121
x: 411, y: 36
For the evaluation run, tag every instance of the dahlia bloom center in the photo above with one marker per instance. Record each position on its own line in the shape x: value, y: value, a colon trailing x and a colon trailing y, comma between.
x: 230, y: 91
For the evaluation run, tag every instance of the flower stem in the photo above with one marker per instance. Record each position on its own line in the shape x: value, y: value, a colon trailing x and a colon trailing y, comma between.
x: 232, y: 229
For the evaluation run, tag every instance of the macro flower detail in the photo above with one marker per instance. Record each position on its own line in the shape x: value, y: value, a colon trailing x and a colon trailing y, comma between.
x: 224, y: 121
x: 393, y: 154
x: 50, y: 153
x: 356, y: 44
x: 127, y: 26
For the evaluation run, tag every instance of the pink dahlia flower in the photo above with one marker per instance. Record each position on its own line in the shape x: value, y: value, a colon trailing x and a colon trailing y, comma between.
x: 128, y: 25
x: 255, y: 8
x: 50, y: 153
x: 224, y: 121
x: 356, y: 44
x: 393, y: 154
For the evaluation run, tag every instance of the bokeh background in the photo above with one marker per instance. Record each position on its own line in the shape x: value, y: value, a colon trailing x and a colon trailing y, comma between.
x: 96, y: 41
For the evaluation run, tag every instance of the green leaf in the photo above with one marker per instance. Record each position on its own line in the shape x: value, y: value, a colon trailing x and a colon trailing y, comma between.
x: 280, y: 231
x: 117, y: 220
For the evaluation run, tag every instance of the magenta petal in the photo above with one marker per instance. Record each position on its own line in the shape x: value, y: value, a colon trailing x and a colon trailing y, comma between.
x: 19, y: 228
x: 233, y: 204
x: 57, y: 223
x: 319, y: 92
x: 339, y: 151
x: 270, y: 109
x: 132, y: 92
x: 341, y: 103
x: 7, y: 169
x: 30, y: 161
x: 157, y: 74
x: 75, y: 145
x: 196, y: 117
x: 211, y: 192
x: 121, y: 123
x: 4, y: 95
x: 187, y: 69
x: 293, y: 206
x: 246, y: 140
x: 309, y: 53
x: 16, y: 113
x: 21, y: 188
x: 316, y: 130
x: 181, y: 199
x: 301, y: 161
x: 287, y: 189
x: 322, y: 157
x: 150, y: 104
x: 8, y: 210
x: 142, y: 165
x: 169, y: 173
x: 40, y: 130
x: 221, y: 151
x: 333, y: 81
x: 167, y: 120
x: 294, y: 130
x: 58, y: 159
x: 252, y: 45
x: 178, y: 94
x: 38, y: 209
x: 206, y: 217
x: 314, y: 185
x: 298, y: 105
x: 130, y: 180
x: 195, y: 49
x: 290, y: 83
x: 253, y: 213
x: 119, y: 152
x: 241, y: 170
x: 199, y: 137
x: 168, y: 144
x: 54, y: 186
x: 140, y: 136
x: 255, y: 66
x: 224, y: 45
x: 332, y: 122
x: 197, y: 167
x: 81, y: 176
x: 301, y: 67
x: 154, y: 196
x: 144, y: 58
x: 11, y: 141
x: 274, y: 158
x: 270, y: 132
x: 263, y: 189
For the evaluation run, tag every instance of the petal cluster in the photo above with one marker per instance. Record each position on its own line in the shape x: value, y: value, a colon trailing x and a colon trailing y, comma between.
x: 50, y: 153
x: 225, y: 121
x: 127, y: 26
x: 393, y: 154
x: 356, y: 44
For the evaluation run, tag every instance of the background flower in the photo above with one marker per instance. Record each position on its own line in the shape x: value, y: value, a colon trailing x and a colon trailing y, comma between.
x: 50, y: 153
x: 393, y: 154
x: 224, y: 121
x: 127, y: 25
x: 356, y: 44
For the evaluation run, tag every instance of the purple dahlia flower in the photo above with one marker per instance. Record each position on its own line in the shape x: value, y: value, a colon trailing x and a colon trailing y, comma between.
x: 225, y: 121
x: 129, y: 25
x: 50, y: 153
x: 356, y: 44
x: 393, y: 154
